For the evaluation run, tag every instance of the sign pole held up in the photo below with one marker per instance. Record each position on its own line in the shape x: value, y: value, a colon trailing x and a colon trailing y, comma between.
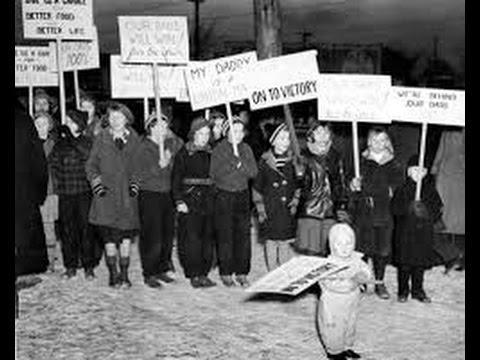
x: 30, y: 100
x: 158, y: 105
x: 146, y: 109
x: 356, y: 152
x: 207, y: 113
x: 230, y: 123
x: 421, y: 159
x: 61, y: 82
x: 77, y: 89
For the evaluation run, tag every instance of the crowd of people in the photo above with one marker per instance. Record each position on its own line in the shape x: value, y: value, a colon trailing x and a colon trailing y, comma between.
x: 97, y: 185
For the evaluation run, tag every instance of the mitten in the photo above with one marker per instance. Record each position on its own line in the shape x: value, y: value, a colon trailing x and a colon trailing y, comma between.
x: 133, y: 189
x: 419, y: 209
x: 65, y: 132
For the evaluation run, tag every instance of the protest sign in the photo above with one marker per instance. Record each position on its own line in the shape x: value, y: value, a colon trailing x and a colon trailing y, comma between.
x: 434, y: 106
x: 219, y: 81
x: 35, y: 66
x: 295, y: 275
x: 80, y: 55
x: 154, y: 39
x: 345, y: 97
x: 66, y: 19
x: 130, y: 81
x: 283, y: 80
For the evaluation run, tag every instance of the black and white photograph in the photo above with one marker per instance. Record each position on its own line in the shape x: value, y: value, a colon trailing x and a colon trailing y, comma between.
x: 239, y: 179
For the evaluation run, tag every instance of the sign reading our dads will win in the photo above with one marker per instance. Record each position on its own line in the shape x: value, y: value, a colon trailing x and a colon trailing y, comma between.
x: 64, y: 19
x: 434, y: 106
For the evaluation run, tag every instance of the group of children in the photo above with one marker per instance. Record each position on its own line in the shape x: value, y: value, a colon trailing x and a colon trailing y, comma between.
x: 103, y: 174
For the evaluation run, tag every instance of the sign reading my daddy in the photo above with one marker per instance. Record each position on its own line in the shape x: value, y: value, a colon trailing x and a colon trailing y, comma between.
x: 434, y: 106
x: 65, y: 19
x: 218, y: 81
x: 344, y: 97
x: 154, y: 39
x: 35, y: 66
x: 284, y: 79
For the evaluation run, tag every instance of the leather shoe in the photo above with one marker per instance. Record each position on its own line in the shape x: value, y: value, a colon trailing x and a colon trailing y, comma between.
x: 70, y: 273
x: 165, y: 278
x: 242, y: 280
x: 382, y: 292
x: 227, y: 280
x: 152, y: 282
x: 89, y: 274
x: 402, y: 298
x: 196, y: 282
x: 206, y: 282
x: 351, y: 354
x: 422, y: 297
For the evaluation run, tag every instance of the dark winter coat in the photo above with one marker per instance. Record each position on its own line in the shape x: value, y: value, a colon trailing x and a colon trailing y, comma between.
x: 115, y: 169
x: 276, y: 190
x: 321, y: 185
x: 371, y: 206
x: 67, y: 164
x: 413, y: 236
x: 191, y: 183
x: 31, y: 179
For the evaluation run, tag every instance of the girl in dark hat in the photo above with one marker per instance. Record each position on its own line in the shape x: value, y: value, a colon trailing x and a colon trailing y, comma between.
x: 413, y: 234
x: 276, y: 197
x: 111, y: 173
x: 156, y: 207
x: 193, y: 195
x: 67, y: 162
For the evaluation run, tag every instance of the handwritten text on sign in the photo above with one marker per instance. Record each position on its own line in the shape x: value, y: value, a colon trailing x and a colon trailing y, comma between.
x: 66, y: 19
x: 136, y: 81
x: 154, y: 39
x: 435, y: 106
x: 295, y: 276
x: 35, y: 66
x: 219, y: 81
x: 283, y: 80
x: 80, y: 55
x: 345, y: 97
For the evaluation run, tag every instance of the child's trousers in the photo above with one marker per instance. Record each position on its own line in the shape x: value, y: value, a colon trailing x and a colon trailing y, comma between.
x: 336, y: 318
x: 277, y: 252
x: 415, y: 273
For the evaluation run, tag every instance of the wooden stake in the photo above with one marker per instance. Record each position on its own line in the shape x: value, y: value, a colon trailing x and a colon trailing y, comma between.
x: 61, y: 81
x: 356, y: 151
x: 158, y: 106
x: 207, y: 113
x: 421, y: 159
x: 146, y: 109
x: 30, y: 101
x: 77, y: 88
x: 230, y: 123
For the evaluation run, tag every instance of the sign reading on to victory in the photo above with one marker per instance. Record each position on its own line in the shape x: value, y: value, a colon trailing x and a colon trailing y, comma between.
x: 35, y: 66
x: 295, y: 275
x: 344, y: 97
x: 283, y: 80
x: 80, y: 55
x: 434, y: 106
x: 65, y: 19
x: 154, y: 39
x: 136, y: 81
x: 219, y: 81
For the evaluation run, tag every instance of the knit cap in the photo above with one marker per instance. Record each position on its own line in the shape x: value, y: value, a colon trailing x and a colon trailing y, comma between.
x: 273, y: 130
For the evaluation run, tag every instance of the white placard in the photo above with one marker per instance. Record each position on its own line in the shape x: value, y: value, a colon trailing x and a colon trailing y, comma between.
x: 65, y: 19
x: 345, y: 97
x: 130, y: 81
x: 154, y: 39
x: 80, y: 55
x: 219, y: 81
x: 283, y: 80
x: 434, y: 106
x: 35, y: 66
x: 295, y: 275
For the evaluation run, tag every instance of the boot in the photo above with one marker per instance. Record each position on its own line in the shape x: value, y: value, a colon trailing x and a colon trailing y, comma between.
x: 227, y: 280
x: 124, y: 264
x: 379, y: 264
x: 113, y: 280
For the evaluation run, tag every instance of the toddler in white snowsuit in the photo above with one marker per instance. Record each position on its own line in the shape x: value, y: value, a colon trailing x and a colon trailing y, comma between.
x: 338, y: 304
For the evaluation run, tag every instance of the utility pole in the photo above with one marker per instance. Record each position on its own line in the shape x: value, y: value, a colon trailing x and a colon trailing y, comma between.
x: 197, y: 28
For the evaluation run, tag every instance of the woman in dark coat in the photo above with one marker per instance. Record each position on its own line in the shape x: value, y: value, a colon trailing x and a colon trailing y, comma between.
x: 413, y: 234
x: 193, y: 194
x: 31, y: 179
x: 381, y: 174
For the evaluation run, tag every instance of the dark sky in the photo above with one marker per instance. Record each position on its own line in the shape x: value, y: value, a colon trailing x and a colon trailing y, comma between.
x: 404, y: 24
